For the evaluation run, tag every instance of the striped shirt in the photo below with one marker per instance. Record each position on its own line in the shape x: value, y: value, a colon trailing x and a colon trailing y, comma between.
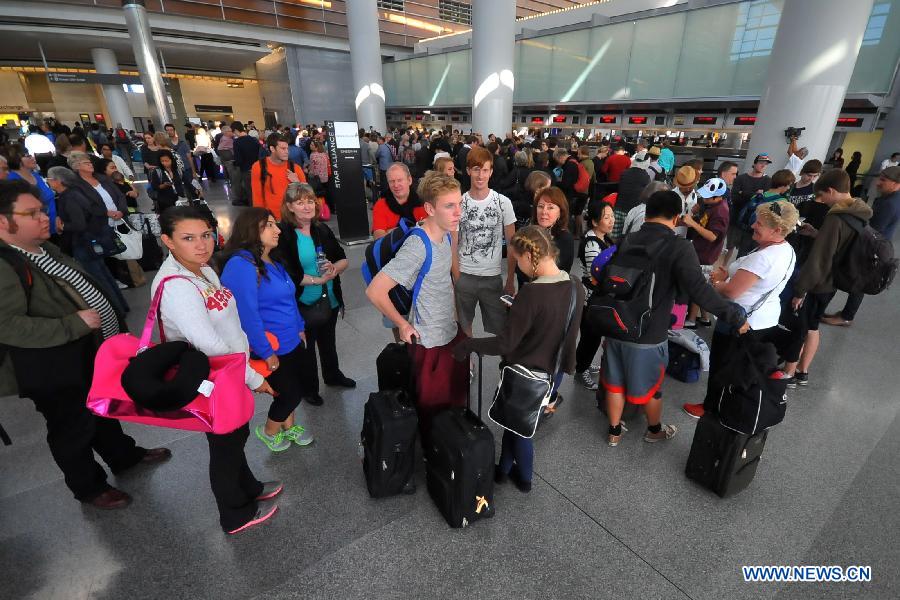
x: 109, y: 322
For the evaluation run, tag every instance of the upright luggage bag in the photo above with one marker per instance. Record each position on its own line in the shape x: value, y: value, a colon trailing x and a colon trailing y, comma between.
x: 459, y: 464
x: 723, y: 460
x: 387, y: 442
x: 394, y: 368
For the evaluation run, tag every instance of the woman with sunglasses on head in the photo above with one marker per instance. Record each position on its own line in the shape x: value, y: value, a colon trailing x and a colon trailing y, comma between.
x: 315, y: 261
x: 201, y: 311
x: 755, y: 282
x: 267, y: 304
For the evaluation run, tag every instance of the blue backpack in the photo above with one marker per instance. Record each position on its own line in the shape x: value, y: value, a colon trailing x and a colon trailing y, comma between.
x: 381, y: 251
x: 747, y: 216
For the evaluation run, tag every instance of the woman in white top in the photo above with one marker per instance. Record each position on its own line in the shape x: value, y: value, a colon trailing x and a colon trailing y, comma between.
x: 755, y: 281
x: 203, y: 313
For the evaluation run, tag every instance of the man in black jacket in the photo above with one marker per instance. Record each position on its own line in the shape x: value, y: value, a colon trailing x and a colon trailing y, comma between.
x: 635, y: 371
x: 246, y: 152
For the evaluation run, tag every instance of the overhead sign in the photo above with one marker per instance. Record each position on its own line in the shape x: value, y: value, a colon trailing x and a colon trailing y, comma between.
x: 213, y: 108
x: 345, y: 186
x: 101, y: 78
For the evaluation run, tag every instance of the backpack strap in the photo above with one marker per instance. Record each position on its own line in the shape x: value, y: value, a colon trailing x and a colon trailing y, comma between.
x: 426, y: 266
x: 858, y: 224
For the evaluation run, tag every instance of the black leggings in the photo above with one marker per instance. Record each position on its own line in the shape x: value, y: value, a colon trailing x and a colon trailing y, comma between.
x: 286, y: 381
x: 588, y: 344
x: 231, y: 479
x: 323, y: 339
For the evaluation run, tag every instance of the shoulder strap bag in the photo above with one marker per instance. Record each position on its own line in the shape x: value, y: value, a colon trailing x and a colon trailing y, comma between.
x: 523, y: 393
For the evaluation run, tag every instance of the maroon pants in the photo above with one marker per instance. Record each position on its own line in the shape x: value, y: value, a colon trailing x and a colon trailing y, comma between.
x: 441, y: 381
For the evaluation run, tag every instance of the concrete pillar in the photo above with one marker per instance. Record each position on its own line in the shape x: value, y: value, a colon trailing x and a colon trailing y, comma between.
x: 493, y: 58
x: 365, y: 63
x: 146, y: 57
x: 105, y: 63
x: 808, y: 75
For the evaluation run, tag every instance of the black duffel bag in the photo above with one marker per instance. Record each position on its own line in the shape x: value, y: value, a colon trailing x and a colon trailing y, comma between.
x: 753, y: 391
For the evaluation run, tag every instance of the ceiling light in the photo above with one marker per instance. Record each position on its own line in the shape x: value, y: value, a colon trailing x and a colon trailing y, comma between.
x: 403, y: 20
x: 319, y: 3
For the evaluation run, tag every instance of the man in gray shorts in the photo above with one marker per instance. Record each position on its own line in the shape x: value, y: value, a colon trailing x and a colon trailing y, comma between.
x: 487, y: 218
x: 633, y: 371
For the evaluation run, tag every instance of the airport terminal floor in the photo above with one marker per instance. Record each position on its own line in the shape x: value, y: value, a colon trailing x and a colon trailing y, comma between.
x: 601, y: 522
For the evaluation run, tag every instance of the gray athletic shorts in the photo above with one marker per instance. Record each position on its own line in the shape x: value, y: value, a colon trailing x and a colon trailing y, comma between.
x: 635, y: 370
x: 472, y: 290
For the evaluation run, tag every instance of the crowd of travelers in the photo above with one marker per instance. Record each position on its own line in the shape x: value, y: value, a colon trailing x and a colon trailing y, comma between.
x: 762, y: 253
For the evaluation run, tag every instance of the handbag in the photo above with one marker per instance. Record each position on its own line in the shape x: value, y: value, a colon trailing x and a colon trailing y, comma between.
x: 220, y: 408
x: 760, y: 401
x: 523, y: 393
x: 316, y: 315
x: 131, y: 238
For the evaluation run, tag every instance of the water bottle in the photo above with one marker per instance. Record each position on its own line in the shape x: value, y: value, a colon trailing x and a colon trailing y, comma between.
x: 321, y: 260
x: 97, y: 247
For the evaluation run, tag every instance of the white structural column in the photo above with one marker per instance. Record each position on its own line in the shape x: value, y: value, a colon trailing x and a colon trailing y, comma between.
x: 493, y: 59
x: 105, y: 63
x: 365, y: 63
x: 145, y: 56
x: 812, y: 60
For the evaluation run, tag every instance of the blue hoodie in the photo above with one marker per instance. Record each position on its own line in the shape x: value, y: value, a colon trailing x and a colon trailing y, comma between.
x: 270, y: 305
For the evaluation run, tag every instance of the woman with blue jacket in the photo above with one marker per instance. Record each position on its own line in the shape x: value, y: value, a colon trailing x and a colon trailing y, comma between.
x: 266, y: 302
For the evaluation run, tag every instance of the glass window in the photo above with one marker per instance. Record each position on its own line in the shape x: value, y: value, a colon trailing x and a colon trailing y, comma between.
x: 457, y: 12
x: 654, y: 56
x: 880, y: 50
x: 391, y: 5
x: 704, y: 70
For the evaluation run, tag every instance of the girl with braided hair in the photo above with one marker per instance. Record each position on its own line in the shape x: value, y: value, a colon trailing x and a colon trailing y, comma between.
x: 532, y: 334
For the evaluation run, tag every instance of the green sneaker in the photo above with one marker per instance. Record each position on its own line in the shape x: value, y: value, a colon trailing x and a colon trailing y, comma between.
x: 275, y: 443
x: 298, y: 435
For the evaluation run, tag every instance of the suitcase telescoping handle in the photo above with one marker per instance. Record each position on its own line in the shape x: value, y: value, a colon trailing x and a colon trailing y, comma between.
x: 480, y: 375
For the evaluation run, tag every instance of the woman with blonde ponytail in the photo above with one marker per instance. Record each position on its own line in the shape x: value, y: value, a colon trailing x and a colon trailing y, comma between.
x: 532, y: 335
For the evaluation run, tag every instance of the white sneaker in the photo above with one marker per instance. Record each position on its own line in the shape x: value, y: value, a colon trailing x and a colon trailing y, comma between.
x: 121, y: 285
x: 587, y: 380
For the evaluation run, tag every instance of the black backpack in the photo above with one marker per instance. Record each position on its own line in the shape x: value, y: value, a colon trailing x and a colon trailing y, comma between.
x: 868, y: 265
x: 621, y: 306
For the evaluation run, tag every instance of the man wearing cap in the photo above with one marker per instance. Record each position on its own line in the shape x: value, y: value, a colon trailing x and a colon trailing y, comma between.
x: 707, y: 225
x: 746, y: 185
x: 885, y: 217
x: 686, y: 179
x: 53, y: 317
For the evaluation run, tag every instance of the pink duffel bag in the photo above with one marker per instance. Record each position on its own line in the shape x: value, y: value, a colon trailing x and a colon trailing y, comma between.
x: 229, y: 406
x: 679, y: 311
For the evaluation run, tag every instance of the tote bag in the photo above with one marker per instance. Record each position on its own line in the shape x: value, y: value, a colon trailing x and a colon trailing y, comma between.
x: 228, y: 406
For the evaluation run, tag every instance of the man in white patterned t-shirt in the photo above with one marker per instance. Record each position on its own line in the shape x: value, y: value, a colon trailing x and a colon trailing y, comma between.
x: 52, y: 319
x: 487, y: 220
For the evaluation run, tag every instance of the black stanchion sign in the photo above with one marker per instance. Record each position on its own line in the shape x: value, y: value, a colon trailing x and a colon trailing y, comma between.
x: 346, y: 184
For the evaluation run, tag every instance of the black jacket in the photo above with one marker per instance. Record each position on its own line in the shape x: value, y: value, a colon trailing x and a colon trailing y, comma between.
x: 107, y: 183
x: 321, y: 236
x: 678, y: 270
x: 501, y: 178
x: 246, y: 152
x: 84, y: 218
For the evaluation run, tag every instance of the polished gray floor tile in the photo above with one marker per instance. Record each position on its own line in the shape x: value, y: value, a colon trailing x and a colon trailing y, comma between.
x: 600, y: 523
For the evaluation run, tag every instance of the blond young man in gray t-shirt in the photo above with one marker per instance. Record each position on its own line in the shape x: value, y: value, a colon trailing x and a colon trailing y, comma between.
x: 441, y: 382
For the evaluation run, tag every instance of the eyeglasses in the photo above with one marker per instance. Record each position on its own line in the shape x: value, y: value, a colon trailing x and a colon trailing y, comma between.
x: 34, y: 213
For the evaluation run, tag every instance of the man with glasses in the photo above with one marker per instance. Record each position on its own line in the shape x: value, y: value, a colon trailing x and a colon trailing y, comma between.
x: 44, y: 327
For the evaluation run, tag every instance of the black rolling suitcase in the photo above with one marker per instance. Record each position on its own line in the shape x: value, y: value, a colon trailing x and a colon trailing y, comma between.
x: 459, y: 464
x: 387, y: 442
x: 723, y: 460
x: 394, y: 368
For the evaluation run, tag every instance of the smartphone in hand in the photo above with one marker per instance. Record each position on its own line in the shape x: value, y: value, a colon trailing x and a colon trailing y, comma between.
x: 506, y: 299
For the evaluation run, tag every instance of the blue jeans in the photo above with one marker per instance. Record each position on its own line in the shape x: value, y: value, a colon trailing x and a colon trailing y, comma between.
x: 98, y: 270
x: 520, y: 450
